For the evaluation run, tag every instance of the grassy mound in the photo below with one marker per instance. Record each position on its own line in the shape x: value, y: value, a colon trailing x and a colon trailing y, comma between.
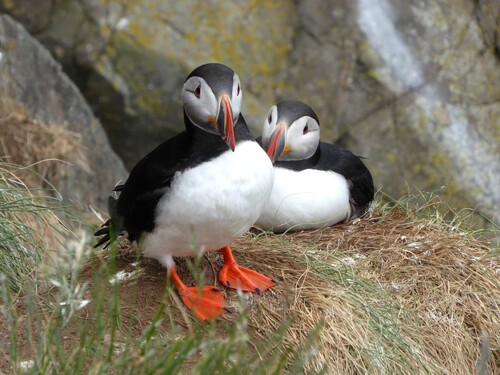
x: 397, y: 292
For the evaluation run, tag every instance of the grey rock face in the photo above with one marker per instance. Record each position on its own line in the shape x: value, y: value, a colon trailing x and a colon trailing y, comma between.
x: 29, y: 75
x: 33, y: 14
x: 432, y: 57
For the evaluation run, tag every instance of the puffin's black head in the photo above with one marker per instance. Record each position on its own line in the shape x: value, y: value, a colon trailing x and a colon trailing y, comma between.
x: 212, y: 100
x: 291, y: 131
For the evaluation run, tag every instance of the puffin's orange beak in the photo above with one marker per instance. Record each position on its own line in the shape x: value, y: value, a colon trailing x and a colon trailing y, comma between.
x: 277, y: 142
x: 225, y: 123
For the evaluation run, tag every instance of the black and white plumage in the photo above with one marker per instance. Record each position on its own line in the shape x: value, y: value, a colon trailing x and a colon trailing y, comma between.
x: 201, y: 189
x: 316, y: 184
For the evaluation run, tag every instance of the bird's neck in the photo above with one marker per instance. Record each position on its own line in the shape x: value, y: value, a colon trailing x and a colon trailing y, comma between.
x: 299, y: 165
x: 241, y: 131
x: 204, y: 144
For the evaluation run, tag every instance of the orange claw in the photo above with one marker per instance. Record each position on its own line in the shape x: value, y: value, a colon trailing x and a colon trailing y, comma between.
x: 237, y: 277
x: 207, y: 303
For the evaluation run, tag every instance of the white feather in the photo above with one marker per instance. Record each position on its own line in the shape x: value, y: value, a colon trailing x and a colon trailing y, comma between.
x: 210, y: 205
x: 305, y: 199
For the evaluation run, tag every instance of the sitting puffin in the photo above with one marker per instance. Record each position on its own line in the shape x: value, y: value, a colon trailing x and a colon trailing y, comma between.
x: 199, y: 190
x: 315, y: 183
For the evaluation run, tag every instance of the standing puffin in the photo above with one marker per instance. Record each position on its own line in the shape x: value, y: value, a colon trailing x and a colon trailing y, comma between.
x: 199, y: 190
x: 315, y: 183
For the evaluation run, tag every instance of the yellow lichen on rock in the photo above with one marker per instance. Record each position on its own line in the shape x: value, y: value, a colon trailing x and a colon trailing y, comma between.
x: 254, y: 38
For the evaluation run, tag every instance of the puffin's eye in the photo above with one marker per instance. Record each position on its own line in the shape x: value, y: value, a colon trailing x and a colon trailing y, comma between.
x: 270, y: 118
x: 197, y: 91
x: 306, y: 130
x: 239, y: 90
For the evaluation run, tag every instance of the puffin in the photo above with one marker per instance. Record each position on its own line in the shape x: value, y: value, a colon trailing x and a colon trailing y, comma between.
x: 198, y: 191
x: 316, y: 184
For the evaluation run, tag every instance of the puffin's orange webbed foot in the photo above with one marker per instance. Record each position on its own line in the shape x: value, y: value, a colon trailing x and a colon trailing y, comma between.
x: 206, y: 304
x: 234, y: 276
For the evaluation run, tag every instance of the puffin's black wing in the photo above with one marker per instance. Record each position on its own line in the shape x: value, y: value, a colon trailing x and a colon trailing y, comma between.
x: 362, y: 191
x: 149, y: 181
x: 358, y: 176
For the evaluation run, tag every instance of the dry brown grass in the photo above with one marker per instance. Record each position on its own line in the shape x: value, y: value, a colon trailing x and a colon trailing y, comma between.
x: 393, y: 293
x: 47, y: 150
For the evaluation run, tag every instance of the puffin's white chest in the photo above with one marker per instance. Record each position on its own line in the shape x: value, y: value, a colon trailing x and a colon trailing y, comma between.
x: 306, y: 199
x: 212, y: 204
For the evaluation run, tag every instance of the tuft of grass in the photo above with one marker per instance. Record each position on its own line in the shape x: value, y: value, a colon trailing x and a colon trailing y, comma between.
x: 49, y: 150
x: 29, y: 227
x: 428, y: 206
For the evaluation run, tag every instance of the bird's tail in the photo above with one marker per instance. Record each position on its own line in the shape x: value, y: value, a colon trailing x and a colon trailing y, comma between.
x: 111, y: 229
x: 358, y: 211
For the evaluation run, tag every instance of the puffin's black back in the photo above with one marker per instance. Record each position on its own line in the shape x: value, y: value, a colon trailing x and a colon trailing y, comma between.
x: 339, y: 160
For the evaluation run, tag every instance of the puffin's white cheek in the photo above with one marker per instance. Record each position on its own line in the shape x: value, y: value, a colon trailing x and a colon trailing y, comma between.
x: 236, y: 104
x: 193, y: 112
